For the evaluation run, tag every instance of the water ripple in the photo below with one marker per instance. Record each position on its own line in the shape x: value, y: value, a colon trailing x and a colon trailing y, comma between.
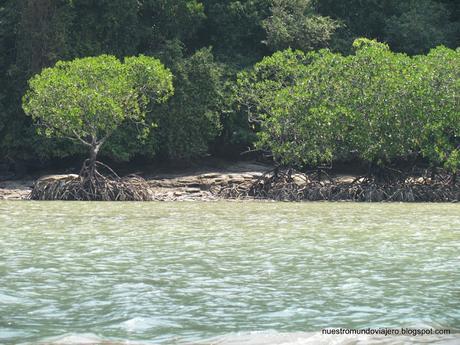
x: 178, y: 273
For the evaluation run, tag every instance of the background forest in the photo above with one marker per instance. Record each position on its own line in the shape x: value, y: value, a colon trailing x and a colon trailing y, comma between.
x: 211, y: 47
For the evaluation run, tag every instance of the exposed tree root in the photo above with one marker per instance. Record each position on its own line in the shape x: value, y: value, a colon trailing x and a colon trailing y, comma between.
x: 288, y: 185
x: 278, y: 184
x: 91, y: 185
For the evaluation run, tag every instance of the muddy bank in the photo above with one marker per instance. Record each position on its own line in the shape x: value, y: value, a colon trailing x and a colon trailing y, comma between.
x: 253, y: 181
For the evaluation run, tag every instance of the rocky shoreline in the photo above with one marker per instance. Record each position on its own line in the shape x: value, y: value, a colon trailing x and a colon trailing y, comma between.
x: 193, y: 185
x: 15, y: 189
x: 204, y: 187
x: 252, y: 181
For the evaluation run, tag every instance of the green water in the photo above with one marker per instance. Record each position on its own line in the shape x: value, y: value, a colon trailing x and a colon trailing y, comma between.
x: 252, y: 273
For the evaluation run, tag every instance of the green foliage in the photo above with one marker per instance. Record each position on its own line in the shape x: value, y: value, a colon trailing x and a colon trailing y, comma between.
x: 42, y: 34
x: 375, y: 105
x: 254, y: 91
x: 294, y: 24
x: 163, y: 22
x: 257, y: 88
x: 8, y: 17
x: 412, y: 26
x: 32, y: 36
x: 87, y: 99
x: 360, y: 18
x: 35, y: 34
x: 8, y: 21
x: 234, y: 30
x: 438, y: 101
x: 296, y: 106
x: 379, y: 95
x: 191, y: 119
x: 420, y: 26
x: 104, y: 27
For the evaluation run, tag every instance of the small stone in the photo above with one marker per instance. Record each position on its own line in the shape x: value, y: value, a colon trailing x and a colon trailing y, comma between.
x: 210, y: 175
x: 193, y: 190
x: 248, y: 176
x: 299, y: 180
x: 50, y: 178
x: 237, y: 180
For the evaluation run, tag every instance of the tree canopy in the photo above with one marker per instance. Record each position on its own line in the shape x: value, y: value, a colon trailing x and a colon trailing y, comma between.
x: 375, y: 105
x: 88, y: 99
x: 294, y: 24
x: 210, y: 45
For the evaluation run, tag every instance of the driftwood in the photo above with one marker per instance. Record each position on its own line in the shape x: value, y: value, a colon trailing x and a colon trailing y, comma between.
x: 289, y: 185
x: 91, y: 185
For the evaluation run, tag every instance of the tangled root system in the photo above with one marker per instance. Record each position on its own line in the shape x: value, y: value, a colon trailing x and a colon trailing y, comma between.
x: 288, y: 185
x: 91, y: 185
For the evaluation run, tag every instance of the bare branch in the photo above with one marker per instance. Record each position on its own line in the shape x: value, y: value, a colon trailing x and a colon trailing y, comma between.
x: 79, y: 138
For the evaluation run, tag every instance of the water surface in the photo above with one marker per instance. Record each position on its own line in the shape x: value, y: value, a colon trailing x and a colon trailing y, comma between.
x: 226, y: 272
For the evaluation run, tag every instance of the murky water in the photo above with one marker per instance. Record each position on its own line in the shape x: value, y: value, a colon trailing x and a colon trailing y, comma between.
x: 226, y: 273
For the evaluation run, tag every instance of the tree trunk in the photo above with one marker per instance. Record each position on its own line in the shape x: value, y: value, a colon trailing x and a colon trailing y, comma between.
x: 94, y: 150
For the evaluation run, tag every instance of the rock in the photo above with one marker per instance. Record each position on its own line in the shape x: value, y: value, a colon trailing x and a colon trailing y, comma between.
x: 193, y: 190
x: 251, y: 177
x: 194, y: 185
x: 299, y: 180
x: 52, y: 178
x: 210, y: 175
x: 14, y: 194
x: 221, y: 181
x: 237, y: 180
x: 418, y: 180
x: 186, y: 181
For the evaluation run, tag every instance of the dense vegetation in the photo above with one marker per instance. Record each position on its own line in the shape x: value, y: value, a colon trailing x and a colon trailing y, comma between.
x: 86, y: 100
x: 374, y: 106
x: 234, y: 74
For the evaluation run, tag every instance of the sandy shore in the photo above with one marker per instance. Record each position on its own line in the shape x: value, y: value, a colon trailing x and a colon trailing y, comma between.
x: 15, y: 189
x: 191, y: 184
x: 233, y: 180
